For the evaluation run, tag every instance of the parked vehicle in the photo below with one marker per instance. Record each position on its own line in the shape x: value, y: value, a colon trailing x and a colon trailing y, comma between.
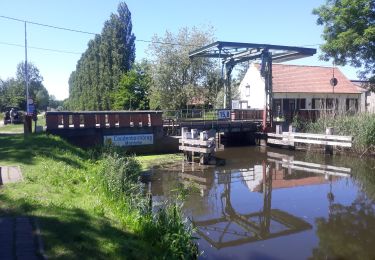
x: 12, y: 115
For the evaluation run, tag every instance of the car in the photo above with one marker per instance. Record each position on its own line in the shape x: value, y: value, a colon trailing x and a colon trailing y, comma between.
x: 13, y: 115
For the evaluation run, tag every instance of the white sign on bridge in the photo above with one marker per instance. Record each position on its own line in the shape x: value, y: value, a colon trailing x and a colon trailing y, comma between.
x: 130, y: 140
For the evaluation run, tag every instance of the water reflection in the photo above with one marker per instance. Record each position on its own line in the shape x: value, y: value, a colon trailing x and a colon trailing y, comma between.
x: 264, y: 202
x: 348, y: 232
x: 234, y: 228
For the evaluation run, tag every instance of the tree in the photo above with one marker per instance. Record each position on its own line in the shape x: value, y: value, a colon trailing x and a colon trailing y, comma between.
x: 12, y: 94
x: 54, y: 103
x: 37, y: 91
x: 100, y: 69
x: 13, y: 91
x: 132, y: 92
x: 349, y: 34
x: 174, y: 74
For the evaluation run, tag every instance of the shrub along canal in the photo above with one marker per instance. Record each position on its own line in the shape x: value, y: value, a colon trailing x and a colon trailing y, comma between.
x: 276, y: 204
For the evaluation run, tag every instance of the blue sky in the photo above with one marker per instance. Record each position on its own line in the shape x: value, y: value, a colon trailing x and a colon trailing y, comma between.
x: 287, y: 22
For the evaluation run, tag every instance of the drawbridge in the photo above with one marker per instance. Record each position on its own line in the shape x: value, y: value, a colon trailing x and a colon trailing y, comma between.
x: 233, y: 53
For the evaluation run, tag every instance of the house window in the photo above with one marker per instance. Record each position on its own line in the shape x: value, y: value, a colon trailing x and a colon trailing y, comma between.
x: 329, y: 103
x: 317, y: 103
x: 351, y: 104
x: 247, y: 90
x: 301, y: 103
x: 332, y: 103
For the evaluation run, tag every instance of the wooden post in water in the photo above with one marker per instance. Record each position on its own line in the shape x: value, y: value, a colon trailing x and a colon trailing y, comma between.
x: 329, y: 148
x: 292, y: 145
x: 279, y: 129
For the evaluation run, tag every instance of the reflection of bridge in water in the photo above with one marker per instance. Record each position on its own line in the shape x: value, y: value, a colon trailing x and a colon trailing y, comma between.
x: 233, y: 228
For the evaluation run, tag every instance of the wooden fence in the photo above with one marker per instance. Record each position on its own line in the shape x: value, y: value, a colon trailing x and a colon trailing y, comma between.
x: 328, y: 140
x: 103, y: 119
x: 290, y: 138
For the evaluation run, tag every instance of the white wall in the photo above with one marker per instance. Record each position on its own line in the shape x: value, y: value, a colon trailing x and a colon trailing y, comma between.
x: 257, y: 97
x: 370, y: 100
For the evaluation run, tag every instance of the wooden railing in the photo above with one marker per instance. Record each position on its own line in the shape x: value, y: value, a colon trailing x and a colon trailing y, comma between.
x: 212, y: 115
x: 103, y: 119
x: 290, y: 138
x: 247, y: 114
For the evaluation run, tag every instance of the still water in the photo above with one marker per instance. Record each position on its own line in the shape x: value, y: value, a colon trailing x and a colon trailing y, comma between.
x: 277, y: 204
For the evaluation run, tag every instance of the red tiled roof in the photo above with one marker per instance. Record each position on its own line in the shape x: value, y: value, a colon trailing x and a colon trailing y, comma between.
x: 309, y: 79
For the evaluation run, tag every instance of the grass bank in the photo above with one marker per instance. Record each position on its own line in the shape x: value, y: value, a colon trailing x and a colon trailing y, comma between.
x: 79, y: 214
x: 361, y: 127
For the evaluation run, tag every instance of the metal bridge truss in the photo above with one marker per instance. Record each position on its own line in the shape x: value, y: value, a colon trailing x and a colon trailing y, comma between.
x: 233, y: 53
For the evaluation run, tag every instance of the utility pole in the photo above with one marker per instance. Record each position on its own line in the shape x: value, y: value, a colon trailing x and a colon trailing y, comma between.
x: 27, y: 122
x: 26, y: 72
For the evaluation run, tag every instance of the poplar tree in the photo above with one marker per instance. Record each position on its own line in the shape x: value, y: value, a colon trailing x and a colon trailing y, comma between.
x: 99, y: 70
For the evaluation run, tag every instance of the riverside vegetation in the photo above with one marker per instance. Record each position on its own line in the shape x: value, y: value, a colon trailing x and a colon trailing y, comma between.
x: 360, y: 126
x: 91, y: 204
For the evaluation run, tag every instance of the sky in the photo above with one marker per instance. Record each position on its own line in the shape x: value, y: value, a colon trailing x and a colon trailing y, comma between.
x: 287, y: 22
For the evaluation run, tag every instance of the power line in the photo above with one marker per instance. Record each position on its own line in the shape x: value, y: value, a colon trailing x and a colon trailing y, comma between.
x: 39, y: 48
x: 91, y: 33
x: 47, y: 25
x: 86, y: 32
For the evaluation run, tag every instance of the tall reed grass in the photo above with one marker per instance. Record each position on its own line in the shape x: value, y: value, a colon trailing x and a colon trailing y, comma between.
x: 360, y: 126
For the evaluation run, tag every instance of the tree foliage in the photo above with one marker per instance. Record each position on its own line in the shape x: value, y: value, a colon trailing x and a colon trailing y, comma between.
x: 176, y: 78
x: 349, y: 33
x: 13, y: 90
x: 132, y: 92
x: 101, y: 67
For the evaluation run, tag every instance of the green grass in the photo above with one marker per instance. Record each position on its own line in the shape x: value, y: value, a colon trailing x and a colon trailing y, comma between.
x: 16, y: 128
x: 61, y: 189
x: 147, y: 161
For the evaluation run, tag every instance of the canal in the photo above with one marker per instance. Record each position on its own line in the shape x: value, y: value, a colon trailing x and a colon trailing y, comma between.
x: 277, y: 204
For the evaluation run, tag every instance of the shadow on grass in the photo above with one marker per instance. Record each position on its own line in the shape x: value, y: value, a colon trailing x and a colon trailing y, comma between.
x: 21, y: 149
x: 75, y: 234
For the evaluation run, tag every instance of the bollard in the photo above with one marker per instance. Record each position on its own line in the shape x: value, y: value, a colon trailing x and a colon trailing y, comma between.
x: 279, y: 129
x: 203, y: 136
x: 329, y: 148
x: 184, y: 130
x: 194, y: 133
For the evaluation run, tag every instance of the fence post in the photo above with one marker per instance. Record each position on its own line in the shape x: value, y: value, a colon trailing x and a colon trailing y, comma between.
x: 279, y: 129
x: 292, y: 130
x: 329, y: 148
